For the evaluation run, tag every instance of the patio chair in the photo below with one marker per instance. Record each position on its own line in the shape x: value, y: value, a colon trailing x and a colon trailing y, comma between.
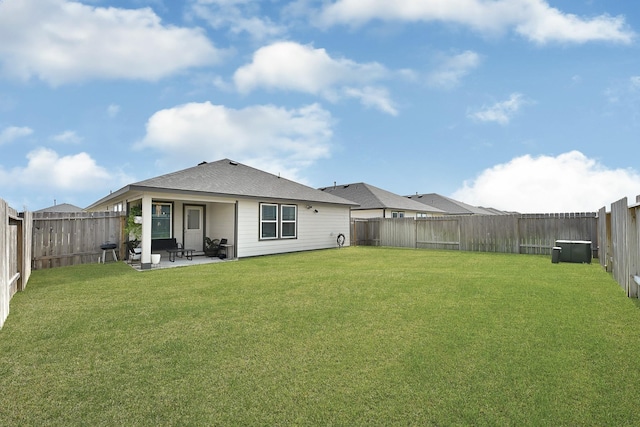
x: 211, y: 247
x: 135, y: 254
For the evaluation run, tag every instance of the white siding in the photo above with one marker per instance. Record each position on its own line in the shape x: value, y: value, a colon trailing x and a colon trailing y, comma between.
x: 407, y: 214
x: 220, y: 221
x: 178, y: 225
x: 380, y: 213
x: 367, y: 213
x: 315, y: 230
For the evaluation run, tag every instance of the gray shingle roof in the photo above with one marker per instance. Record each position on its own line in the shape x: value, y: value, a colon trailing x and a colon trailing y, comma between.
x: 62, y: 207
x: 371, y: 197
x: 229, y: 178
x: 451, y: 206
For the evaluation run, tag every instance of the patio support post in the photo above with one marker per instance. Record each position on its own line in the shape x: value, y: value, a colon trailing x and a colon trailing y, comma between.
x: 146, y: 233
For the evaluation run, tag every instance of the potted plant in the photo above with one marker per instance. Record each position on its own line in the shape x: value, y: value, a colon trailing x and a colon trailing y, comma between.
x: 133, y: 228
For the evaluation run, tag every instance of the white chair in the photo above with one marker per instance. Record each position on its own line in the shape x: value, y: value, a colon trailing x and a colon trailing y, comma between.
x: 135, y: 254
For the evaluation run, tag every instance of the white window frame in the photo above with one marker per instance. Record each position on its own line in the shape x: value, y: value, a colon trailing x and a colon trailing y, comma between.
x: 397, y: 214
x: 293, y: 221
x: 279, y: 221
x: 268, y: 221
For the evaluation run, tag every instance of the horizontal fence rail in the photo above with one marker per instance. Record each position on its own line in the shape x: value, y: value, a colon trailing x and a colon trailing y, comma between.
x: 533, y: 234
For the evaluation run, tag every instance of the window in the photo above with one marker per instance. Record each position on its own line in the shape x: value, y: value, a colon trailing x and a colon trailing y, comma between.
x: 161, y: 220
x: 268, y: 221
x: 421, y: 215
x: 193, y: 219
x: 397, y: 214
x: 288, y: 221
x: 278, y: 221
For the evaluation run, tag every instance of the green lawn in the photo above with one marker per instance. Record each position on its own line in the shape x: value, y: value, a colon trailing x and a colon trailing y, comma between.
x: 352, y: 336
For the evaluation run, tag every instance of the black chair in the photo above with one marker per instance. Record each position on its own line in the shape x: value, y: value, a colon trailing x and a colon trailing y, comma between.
x: 211, y: 247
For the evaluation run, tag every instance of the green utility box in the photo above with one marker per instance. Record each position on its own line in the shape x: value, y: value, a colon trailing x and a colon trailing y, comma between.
x: 574, y: 251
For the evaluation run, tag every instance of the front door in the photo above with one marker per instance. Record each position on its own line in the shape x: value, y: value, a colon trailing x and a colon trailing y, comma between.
x: 193, y: 227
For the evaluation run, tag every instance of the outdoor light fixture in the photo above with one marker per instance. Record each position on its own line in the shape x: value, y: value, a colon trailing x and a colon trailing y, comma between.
x: 309, y: 206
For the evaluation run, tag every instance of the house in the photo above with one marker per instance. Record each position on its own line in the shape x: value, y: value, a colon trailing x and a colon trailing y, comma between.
x: 374, y: 202
x: 451, y: 206
x: 257, y: 212
x: 62, y: 207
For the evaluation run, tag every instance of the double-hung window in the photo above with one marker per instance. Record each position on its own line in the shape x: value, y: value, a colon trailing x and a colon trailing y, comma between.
x: 395, y: 214
x: 278, y: 221
x: 268, y: 221
x: 288, y: 222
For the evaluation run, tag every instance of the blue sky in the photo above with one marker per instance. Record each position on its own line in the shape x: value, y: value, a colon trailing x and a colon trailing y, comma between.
x: 522, y: 105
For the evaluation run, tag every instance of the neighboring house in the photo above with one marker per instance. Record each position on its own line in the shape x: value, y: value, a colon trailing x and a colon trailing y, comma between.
x: 257, y: 212
x: 374, y: 202
x: 451, y: 206
x: 62, y: 207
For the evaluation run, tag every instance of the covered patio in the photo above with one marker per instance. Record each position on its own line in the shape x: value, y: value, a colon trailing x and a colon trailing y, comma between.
x: 199, y: 258
x: 185, y: 220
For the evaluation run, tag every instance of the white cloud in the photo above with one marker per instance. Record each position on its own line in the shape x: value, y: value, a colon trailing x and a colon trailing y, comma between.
x: 113, y: 110
x: 240, y: 16
x: 544, y: 24
x: 373, y: 97
x: 570, y: 182
x: 12, y: 133
x: 635, y: 82
x: 268, y: 137
x: 535, y: 20
x: 68, y: 137
x: 453, y: 69
x: 500, y: 112
x: 60, y: 41
x: 302, y: 68
x: 72, y: 174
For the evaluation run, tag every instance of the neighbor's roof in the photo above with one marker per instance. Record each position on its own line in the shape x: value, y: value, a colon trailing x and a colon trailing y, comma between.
x: 228, y: 178
x: 371, y: 197
x: 62, y: 207
x: 451, y: 206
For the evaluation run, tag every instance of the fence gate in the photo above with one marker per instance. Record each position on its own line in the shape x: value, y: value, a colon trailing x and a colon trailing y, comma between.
x: 365, y: 232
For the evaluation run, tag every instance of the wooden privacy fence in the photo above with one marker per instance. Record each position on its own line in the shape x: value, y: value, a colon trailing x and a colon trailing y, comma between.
x: 619, y: 232
x: 15, y: 255
x: 63, y: 238
x: 521, y: 234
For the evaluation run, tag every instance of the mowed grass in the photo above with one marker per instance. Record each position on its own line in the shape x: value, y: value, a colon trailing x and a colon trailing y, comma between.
x: 352, y: 336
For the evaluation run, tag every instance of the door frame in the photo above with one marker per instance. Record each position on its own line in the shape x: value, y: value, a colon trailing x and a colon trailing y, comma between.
x: 185, y: 208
